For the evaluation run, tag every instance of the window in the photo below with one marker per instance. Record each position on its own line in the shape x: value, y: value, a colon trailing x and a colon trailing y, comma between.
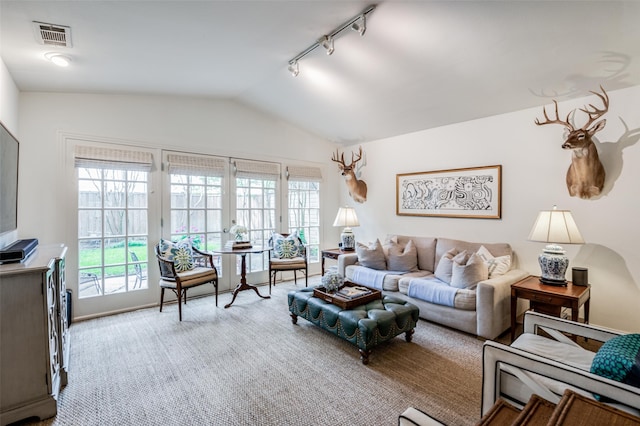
x: 304, y: 206
x: 112, y: 220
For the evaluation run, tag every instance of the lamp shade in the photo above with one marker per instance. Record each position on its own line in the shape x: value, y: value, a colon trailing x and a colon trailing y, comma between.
x: 555, y: 226
x: 346, y: 217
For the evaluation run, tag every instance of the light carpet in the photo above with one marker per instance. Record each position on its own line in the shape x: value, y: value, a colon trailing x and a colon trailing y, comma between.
x: 249, y: 365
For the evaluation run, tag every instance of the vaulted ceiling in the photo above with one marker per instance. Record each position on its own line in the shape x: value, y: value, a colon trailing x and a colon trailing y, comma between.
x: 420, y: 64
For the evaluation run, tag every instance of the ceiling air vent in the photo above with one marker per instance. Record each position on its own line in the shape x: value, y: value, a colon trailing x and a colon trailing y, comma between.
x: 52, y: 35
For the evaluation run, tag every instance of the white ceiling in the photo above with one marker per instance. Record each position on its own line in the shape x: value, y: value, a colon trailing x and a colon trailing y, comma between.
x: 421, y: 64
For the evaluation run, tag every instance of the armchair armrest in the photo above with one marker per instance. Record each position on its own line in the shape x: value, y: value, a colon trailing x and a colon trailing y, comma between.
x: 499, y: 360
x: 534, y: 321
x: 203, y: 257
x: 345, y: 260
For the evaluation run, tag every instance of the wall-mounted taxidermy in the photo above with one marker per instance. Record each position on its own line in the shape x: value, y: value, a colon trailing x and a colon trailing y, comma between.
x: 585, y: 177
x: 357, y: 188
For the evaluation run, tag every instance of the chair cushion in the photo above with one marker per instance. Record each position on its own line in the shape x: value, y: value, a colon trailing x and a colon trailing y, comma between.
x: 195, y: 276
x: 619, y: 359
x: 293, y: 263
x: 287, y: 247
x: 180, y: 253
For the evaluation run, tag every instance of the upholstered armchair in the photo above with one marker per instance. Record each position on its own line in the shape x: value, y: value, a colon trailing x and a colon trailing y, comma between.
x: 287, y: 253
x: 545, y: 362
x: 182, y: 267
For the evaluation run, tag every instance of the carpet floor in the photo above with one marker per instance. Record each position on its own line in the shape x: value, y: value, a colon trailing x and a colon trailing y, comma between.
x: 249, y: 365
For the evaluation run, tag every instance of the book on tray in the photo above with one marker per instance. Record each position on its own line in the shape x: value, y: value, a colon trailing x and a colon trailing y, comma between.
x: 353, y: 292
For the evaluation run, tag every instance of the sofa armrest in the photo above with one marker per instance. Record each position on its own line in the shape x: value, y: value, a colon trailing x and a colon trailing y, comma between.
x: 493, y: 303
x: 345, y: 260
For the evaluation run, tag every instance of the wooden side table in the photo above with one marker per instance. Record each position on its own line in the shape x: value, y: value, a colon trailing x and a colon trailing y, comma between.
x: 549, y: 299
x: 332, y: 254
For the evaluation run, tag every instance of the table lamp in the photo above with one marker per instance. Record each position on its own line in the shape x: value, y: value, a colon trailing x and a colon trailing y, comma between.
x: 347, y: 217
x: 554, y: 227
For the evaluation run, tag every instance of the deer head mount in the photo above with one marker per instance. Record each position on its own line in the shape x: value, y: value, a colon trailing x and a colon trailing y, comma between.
x: 585, y: 177
x: 357, y: 188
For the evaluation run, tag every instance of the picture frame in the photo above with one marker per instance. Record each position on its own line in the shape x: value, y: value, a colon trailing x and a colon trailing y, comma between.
x: 473, y: 192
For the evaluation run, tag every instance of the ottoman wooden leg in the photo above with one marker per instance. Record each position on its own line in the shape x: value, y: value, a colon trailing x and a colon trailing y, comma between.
x: 294, y: 318
x: 409, y: 335
x: 364, y: 356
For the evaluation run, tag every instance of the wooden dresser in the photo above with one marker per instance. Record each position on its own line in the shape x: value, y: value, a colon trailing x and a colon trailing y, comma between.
x: 34, y: 334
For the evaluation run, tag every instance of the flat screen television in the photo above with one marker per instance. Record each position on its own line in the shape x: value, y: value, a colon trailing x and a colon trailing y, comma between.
x: 9, y: 148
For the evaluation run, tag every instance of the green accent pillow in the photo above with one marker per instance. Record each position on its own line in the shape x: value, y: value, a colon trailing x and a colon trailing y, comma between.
x: 619, y: 359
x: 180, y: 253
x: 287, y: 247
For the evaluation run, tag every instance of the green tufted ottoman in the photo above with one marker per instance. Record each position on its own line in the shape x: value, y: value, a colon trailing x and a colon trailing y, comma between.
x: 365, y: 326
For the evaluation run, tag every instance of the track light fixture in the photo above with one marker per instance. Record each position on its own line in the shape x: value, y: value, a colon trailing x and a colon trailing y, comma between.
x: 357, y: 23
x: 327, y: 43
x: 360, y: 25
x: 294, y: 69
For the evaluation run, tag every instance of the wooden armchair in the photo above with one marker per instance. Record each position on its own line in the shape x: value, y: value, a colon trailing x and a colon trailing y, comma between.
x: 280, y: 260
x: 179, y: 280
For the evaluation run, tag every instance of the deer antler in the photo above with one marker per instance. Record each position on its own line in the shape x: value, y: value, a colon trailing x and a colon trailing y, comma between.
x: 354, y: 161
x: 334, y: 157
x: 595, y: 112
x: 565, y: 123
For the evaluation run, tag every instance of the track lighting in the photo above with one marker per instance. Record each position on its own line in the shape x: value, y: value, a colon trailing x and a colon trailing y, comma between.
x: 327, y: 43
x: 294, y: 69
x: 360, y: 25
x: 357, y: 24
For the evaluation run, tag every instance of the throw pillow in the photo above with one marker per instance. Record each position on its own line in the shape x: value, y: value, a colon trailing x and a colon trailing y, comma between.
x: 180, y: 253
x: 445, y: 264
x: 497, y: 265
x: 286, y: 247
x: 465, y: 275
x: 371, y: 255
x: 619, y: 359
x: 402, y: 259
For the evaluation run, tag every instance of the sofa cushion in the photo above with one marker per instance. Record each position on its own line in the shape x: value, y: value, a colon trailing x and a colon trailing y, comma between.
x: 401, y: 258
x: 496, y: 265
x: 432, y: 290
x: 444, y: 269
x: 465, y: 275
x: 445, y: 244
x: 389, y: 279
x: 371, y: 255
x: 426, y: 248
x: 465, y: 299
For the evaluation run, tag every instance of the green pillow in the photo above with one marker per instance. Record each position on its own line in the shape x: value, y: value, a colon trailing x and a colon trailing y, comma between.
x: 619, y: 359
x: 287, y: 247
x: 180, y: 253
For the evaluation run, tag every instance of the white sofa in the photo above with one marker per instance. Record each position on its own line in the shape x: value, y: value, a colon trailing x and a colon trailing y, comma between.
x: 482, y: 310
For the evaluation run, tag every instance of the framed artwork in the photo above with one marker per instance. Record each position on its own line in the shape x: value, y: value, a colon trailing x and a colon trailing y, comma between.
x: 474, y: 192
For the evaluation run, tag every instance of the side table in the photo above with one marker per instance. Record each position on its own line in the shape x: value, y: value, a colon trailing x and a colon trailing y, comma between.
x: 549, y: 299
x: 332, y: 254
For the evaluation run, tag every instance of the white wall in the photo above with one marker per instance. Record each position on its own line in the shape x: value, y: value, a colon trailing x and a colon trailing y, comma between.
x: 191, y: 124
x: 533, y: 179
x: 9, y: 117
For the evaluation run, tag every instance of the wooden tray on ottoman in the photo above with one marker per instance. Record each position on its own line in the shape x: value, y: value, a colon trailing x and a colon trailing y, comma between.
x: 346, y: 302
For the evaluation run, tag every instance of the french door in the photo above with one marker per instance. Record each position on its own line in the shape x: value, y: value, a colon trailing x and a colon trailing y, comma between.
x: 207, y: 195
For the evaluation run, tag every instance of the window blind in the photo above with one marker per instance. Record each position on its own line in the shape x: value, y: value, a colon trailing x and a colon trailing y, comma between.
x: 304, y: 174
x: 256, y: 169
x: 196, y: 165
x: 107, y: 158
